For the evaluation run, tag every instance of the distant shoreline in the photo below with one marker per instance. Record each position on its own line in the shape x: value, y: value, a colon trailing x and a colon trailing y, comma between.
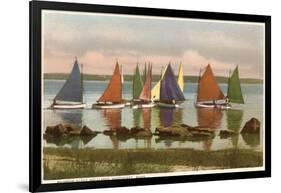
x: 193, y: 79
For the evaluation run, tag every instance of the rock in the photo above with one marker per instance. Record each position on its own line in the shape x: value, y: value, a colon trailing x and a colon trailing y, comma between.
x: 173, y: 132
x: 139, y: 132
x: 227, y: 133
x: 201, y: 129
x: 135, y: 130
x: 122, y: 131
x: 251, y: 126
x: 87, y: 131
x: 71, y: 128
x: 251, y: 139
x: 186, y: 126
x: 109, y: 132
x: 56, y: 131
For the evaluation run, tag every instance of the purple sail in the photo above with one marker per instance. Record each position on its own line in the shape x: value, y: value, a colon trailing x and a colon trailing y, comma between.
x: 169, y: 89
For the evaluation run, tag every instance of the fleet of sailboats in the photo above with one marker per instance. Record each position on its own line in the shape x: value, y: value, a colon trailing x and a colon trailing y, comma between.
x: 168, y: 92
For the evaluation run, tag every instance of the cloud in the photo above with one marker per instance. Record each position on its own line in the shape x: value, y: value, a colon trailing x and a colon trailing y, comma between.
x: 104, y: 38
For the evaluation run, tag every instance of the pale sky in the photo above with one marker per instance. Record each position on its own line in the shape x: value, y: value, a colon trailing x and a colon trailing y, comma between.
x: 98, y: 39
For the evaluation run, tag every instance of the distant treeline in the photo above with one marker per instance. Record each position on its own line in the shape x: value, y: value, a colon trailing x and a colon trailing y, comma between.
x: 220, y: 79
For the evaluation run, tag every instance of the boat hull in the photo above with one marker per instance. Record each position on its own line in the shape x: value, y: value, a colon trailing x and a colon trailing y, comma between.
x: 108, y: 106
x: 69, y: 106
x: 209, y: 105
x: 148, y: 105
x: 168, y: 105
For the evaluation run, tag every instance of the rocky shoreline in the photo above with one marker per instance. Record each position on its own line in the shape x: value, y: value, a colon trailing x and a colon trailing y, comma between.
x: 177, y: 131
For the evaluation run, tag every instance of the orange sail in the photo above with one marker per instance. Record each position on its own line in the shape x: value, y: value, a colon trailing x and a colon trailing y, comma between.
x: 146, y: 90
x: 113, y: 92
x: 208, y: 89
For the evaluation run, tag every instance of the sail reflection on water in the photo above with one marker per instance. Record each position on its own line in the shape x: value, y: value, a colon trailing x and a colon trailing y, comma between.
x: 73, y: 117
x: 209, y: 118
x: 112, y: 118
x: 113, y: 121
x: 146, y: 114
x: 166, y: 117
x: 234, y: 121
x: 169, y: 117
x: 137, y: 117
x: 142, y: 118
x: 70, y: 117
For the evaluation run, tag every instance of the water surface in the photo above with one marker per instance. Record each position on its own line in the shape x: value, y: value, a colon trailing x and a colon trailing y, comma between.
x: 101, y: 120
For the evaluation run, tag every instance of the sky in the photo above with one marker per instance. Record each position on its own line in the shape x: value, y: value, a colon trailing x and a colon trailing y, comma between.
x: 98, y: 40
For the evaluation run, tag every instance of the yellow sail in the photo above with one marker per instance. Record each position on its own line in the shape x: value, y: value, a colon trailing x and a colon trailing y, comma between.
x: 155, y: 92
x: 180, y: 78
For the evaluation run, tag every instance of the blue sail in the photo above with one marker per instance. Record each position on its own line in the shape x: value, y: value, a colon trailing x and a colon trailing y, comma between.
x: 72, y: 88
x: 169, y: 89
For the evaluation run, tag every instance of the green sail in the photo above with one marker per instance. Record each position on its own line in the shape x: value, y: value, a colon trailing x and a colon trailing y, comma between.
x: 137, y: 83
x: 234, y: 91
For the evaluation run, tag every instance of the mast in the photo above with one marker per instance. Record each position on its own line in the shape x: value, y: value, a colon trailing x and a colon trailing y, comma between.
x: 82, y: 86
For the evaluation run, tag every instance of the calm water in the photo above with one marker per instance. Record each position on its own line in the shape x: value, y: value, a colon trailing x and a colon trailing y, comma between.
x: 101, y: 120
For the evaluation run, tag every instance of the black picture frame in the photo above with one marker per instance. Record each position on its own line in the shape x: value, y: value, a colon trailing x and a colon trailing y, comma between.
x: 35, y: 9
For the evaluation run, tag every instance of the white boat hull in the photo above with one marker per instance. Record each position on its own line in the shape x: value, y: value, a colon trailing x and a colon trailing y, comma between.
x: 108, y: 106
x: 148, y: 105
x: 218, y: 106
x: 168, y: 105
x: 69, y: 106
x: 128, y: 103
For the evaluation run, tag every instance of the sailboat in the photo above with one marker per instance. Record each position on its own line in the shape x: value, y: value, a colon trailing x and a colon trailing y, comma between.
x: 70, y: 95
x: 145, y: 95
x: 171, y: 94
x: 234, y: 91
x: 209, y: 94
x: 112, y: 96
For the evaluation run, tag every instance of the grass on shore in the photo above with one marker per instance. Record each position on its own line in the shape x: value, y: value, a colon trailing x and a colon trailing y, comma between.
x: 63, y: 163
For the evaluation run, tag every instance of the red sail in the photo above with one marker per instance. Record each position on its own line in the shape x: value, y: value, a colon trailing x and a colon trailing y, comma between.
x: 146, y: 90
x: 208, y: 89
x: 113, y: 92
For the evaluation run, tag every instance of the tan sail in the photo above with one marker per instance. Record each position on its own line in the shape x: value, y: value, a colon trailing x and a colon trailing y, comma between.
x: 146, y: 90
x: 181, y: 78
x: 208, y: 89
x: 155, y: 92
x: 113, y: 92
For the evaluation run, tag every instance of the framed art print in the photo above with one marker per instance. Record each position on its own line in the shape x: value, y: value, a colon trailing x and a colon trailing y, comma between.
x: 125, y: 96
